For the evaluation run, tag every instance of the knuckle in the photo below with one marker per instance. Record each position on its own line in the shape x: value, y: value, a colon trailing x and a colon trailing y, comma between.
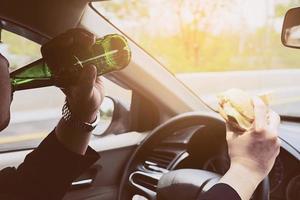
x: 278, y: 142
x: 275, y: 143
x: 272, y: 132
x: 273, y: 138
x: 260, y: 130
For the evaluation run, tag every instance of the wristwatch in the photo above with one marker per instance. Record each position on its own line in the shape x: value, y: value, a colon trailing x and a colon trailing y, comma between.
x: 73, y: 122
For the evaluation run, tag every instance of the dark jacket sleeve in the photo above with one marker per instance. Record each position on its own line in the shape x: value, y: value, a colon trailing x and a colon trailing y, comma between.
x: 46, y: 173
x: 220, y: 192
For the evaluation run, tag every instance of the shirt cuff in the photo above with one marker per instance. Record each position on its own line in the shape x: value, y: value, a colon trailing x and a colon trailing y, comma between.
x: 220, y: 191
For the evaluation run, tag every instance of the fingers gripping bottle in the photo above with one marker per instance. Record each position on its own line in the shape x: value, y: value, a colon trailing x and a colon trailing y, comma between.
x: 108, y: 54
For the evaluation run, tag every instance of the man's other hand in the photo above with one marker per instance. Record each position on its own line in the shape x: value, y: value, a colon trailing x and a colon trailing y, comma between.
x: 253, y: 153
x: 257, y: 148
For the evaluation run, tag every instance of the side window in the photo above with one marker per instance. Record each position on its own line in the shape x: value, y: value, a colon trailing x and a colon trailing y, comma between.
x: 35, y: 112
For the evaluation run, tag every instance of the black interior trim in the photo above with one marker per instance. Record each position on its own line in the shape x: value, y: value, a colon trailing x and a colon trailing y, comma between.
x: 145, y: 114
x: 23, y: 31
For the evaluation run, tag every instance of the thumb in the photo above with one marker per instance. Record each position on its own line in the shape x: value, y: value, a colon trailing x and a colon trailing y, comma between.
x: 87, y: 78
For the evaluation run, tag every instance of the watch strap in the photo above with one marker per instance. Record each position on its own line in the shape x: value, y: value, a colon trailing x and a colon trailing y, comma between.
x: 75, y: 123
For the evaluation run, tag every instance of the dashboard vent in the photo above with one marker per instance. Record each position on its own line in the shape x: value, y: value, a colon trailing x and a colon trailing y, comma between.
x: 160, y: 159
x: 145, y: 181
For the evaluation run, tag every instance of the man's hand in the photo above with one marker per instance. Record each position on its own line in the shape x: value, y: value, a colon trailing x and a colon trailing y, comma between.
x: 257, y: 148
x: 84, y: 100
x: 86, y: 96
x: 253, y: 153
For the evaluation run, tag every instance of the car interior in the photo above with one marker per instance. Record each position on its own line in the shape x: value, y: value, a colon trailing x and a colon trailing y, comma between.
x: 158, y: 129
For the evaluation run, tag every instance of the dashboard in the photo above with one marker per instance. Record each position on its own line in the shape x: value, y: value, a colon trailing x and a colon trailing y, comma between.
x: 197, y: 148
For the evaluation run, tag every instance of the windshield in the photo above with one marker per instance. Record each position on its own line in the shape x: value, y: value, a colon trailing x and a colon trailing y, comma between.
x: 215, y: 45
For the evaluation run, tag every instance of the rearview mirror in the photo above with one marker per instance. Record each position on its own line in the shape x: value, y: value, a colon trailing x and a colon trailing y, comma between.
x: 290, y: 35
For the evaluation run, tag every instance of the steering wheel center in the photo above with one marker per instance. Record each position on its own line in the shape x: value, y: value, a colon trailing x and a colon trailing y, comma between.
x: 185, y: 184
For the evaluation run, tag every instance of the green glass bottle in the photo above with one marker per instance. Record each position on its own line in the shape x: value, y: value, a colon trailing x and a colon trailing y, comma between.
x: 108, y: 54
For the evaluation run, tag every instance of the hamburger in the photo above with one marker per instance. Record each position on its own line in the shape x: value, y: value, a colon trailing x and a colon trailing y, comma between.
x: 236, y: 107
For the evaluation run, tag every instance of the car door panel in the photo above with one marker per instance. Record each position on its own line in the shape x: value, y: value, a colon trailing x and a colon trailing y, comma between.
x: 109, y: 169
x: 105, y: 174
x: 95, y: 193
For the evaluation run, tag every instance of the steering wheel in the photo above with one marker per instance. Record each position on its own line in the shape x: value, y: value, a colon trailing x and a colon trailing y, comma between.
x: 183, y: 183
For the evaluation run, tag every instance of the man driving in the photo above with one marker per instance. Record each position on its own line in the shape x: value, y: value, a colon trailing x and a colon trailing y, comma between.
x: 48, y: 171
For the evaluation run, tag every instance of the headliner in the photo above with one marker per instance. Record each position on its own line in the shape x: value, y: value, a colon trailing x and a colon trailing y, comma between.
x: 46, y: 17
